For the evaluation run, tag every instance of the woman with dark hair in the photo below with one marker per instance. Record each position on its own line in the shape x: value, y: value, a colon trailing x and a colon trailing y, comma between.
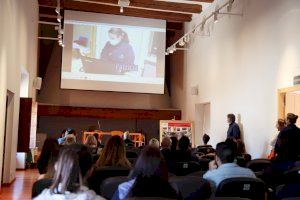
x: 118, y: 49
x: 113, y: 154
x: 67, y: 181
x: 183, y: 152
x: 149, y: 178
x: 174, y: 142
x: 48, y: 157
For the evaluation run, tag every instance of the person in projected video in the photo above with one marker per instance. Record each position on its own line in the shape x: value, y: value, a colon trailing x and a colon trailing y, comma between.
x: 118, y: 50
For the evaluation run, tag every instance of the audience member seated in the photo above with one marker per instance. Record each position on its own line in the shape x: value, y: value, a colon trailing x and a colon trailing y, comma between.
x: 205, y: 140
x: 174, y: 143
x: 96, y: 135
x: 242, y: 156
x: 154, y: 142
x: 62, y: 136
x: 113, y: 154
x: 48, y: 157
x: 67, y: 181
x: 70, y: 139
x: 223, y: 167
x: 287, y: 147
x: 149, y: 178
x: 166, y: 150
x: 184, y: 153
x: 86, y: 169
x: 128, y: 142
x: 280, y: 125
x: 91, y: 141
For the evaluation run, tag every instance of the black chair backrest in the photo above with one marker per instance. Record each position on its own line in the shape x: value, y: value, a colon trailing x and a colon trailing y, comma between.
x: 39, y: 186
x: 191, y: 187
x: 100, y: 175
x: 205, y: 149
x: 258, y: 165
x: 110, y: 185
x: 251, y: 188
x: 185, y: 168
x: 131, y: 154
x: 292, y: 176
x: 291, y: 190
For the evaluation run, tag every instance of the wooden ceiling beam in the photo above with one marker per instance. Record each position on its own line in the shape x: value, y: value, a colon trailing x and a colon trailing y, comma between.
x: 98, y: 8
x: 153, y: 5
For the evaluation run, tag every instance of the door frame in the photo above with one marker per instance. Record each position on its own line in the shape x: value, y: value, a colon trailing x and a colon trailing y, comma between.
x: 281, y: 99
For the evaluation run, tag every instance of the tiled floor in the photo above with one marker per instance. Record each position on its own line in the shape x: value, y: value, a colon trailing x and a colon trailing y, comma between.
x: 20, y: 189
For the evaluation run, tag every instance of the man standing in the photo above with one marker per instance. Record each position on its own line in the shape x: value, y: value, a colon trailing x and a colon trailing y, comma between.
x: 234, y: 129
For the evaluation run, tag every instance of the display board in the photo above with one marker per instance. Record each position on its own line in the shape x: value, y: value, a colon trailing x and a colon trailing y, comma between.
x: 177, y: 128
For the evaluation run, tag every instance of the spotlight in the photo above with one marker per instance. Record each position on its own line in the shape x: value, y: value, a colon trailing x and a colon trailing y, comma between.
x: 57, y: 10
x: 59, y: 18
x: 181, y: 43
x: 167, y: 53
x: 121, y: 9
x: 229, y: 7
x: 56, y: 28
x: 186, y: 39
x: 61, y: 31
x: 59, y: 36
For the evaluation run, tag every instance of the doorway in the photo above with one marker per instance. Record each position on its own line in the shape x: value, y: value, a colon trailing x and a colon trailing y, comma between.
x: 289, y: 102
x: 202, y: 122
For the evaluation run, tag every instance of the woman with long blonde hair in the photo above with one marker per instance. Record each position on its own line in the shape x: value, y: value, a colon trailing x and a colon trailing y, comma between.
x: 113, y: 154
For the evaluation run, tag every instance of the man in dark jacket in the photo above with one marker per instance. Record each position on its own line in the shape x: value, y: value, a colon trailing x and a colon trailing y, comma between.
x: 234, y: 129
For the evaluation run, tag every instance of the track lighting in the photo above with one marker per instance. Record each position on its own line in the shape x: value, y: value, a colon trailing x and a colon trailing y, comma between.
x: 121, y: 9
x: 57, y: 10
x: 61, y: 31
x: 186, y: 39
x: 214, y: 15
x: 167, y: 53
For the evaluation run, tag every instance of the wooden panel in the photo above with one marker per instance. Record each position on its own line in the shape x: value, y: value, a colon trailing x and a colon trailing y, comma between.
x: 24, y: 124
x: 79, y: 6
x: 107, y: 113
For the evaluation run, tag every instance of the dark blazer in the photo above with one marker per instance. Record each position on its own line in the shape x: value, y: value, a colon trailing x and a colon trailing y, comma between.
x: 287, y: 146
x: 234, y: 131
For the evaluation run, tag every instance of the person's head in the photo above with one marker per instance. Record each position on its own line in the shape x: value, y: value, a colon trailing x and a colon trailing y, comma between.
x: 232, y: 143
x: 230, y: 118
x: 113, y: 153
x: 70, y: 139
x: 184, y: 143
x: 49, y: 155
x: 174, y: 143
x: 67, y: 175
x: 280, y: 124
x: 154, y: 142
x: 86, y: 164
x: 224, y: 153
x: 241, y: 149
x: 91, y: 141
x: 126, y: 135
x: 166, y: 143
x: 291, y: 118
x: 63, y: 133
x: 149, y: 164
x: 96, y: 135
x: 117, y: 35
x: 205, y: 139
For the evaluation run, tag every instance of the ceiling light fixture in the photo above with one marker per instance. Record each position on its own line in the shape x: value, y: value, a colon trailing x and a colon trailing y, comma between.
x: 123, y: 4
x: 59, y: 18
x: 181, y: 43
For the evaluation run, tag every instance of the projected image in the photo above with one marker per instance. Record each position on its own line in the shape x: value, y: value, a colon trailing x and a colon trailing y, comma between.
x: 105, y: 49
x: 113, y: 53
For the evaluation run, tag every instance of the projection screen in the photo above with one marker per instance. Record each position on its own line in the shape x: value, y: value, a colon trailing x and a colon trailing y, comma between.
x: 113, y: 53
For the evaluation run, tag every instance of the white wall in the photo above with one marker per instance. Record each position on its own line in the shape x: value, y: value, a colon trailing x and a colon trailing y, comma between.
x: 18, y: 50
x: 240, y: 67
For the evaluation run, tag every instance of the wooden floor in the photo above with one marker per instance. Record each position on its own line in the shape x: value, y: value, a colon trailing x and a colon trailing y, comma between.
x: 20, y: 189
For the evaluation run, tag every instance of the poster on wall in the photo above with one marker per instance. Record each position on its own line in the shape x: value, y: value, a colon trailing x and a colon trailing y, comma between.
x: 177, y: 128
